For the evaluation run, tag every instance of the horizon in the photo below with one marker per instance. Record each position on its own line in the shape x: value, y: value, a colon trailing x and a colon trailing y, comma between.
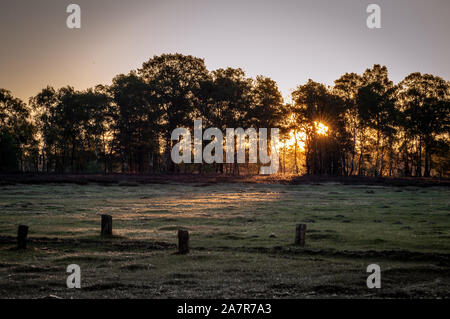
x: 262, y: 39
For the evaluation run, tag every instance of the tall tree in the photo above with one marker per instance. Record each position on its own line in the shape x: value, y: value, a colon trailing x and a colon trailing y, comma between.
x: 425, y: 103
x: 135, y: 123
x: 376, y: 110
x: 229, y: 101
x: 267, y: 107
x: 17, y: 133
x: 175, y: 81
x: 346, y: 87
x: 315, y: 104
x: 72, y: 125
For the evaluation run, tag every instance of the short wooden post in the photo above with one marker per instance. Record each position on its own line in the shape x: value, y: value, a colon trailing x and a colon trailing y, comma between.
x: 183, y: 241
x: 106, y: 225
x: 300, y: 233
x: 22, y: 234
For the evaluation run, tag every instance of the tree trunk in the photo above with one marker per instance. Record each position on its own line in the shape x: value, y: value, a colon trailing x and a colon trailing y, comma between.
x: 22, y: 234
x: 106, y: 225
x: 427, y: 159
x: 419, y: 159
x: 183, y: 241
x: 300, y: 234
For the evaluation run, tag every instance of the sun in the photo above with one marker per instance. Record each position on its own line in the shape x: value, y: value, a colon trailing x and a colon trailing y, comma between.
x: 321, y: 128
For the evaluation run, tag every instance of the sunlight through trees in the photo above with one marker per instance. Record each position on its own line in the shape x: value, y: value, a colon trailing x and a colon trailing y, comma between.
x: 364, y: 125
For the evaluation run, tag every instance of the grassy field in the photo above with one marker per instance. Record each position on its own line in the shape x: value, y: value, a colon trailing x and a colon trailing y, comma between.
x: 241, y: 238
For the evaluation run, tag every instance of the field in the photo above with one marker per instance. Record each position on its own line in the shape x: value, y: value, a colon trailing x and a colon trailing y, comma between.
x: 241, y: 240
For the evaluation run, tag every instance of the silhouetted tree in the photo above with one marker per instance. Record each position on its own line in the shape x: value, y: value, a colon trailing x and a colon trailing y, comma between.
x: 135, y: 123
x: 425, y: 105
x: 315, y: 104
x: 346, y: 87
x: 174, y: 81
x: 18, y: 144
x: 72, y: 125
x: 374, y: 127
x: 376, y: 111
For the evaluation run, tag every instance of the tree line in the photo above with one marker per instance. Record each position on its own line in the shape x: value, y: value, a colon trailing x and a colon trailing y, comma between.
x: 374, y: 127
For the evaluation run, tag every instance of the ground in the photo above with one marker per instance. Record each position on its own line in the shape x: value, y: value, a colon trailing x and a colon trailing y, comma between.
x: 241, y: 237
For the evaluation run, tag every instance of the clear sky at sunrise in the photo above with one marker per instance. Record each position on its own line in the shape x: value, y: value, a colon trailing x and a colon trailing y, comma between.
x: 287, y: 40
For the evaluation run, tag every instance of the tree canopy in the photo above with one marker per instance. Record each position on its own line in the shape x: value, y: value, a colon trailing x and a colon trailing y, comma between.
x: 363, y: 125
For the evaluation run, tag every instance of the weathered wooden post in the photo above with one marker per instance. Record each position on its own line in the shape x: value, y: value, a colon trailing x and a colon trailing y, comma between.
x: 106, y: 225
x: 183, y: 241
x: 300, y: 233
x: 22, y: 234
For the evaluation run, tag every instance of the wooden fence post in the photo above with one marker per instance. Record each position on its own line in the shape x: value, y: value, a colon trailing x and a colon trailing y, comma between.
x: 22, y: 234
x: 183, y: 241
x: 106, y: 225
x: 300, y: 233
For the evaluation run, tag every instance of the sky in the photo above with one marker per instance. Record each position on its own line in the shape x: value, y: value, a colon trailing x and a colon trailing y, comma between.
x: 290, y: 41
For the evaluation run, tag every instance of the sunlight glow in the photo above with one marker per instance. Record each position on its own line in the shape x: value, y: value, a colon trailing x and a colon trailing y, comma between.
x: 321, y: 128
x: 296, y: 137
x: 299, y: 137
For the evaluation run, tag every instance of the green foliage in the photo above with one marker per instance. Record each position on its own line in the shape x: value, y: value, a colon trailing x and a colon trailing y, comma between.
x: 228, y: 98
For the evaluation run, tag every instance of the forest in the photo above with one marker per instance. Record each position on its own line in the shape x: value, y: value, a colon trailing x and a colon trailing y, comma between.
x: 363, y: 125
